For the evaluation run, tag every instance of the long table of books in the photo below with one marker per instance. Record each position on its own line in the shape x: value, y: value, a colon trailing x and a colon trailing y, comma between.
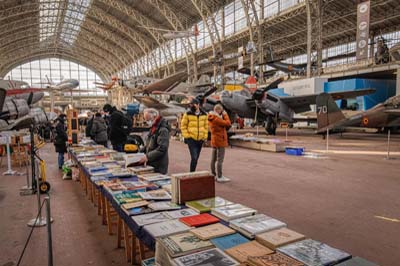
x: 180, y: 220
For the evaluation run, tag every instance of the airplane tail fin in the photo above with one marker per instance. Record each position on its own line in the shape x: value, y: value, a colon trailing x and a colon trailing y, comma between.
x: 327, y: 111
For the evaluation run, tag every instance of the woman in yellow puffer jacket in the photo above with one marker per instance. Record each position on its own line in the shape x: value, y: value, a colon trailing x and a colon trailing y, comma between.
x: 194, y: 127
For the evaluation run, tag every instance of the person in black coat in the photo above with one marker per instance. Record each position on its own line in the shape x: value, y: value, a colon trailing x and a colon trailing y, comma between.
x: 60, y: 140
x: 117, y: 134
x: 157, y: 141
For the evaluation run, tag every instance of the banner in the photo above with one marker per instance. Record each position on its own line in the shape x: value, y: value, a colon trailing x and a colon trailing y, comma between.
x: 363, y: 11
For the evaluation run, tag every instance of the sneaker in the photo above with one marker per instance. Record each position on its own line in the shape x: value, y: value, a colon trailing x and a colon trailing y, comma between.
x: 223, y: 179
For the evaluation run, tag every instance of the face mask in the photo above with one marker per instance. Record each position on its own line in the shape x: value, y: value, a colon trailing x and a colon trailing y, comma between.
x: 149, y: 123
x: 193, y: 109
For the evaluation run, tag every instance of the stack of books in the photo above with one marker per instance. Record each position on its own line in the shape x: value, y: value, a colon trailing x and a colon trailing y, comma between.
x: 231, y: 212
x: 252, y: 225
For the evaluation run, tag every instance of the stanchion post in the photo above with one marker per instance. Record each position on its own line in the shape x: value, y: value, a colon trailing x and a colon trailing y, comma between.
x: 9, y: 171
x: 49, y: 236
x: 40, y: 221
x: 388, y: 146
x: 327, y: 140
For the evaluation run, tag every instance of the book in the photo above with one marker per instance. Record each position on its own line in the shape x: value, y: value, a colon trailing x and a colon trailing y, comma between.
x: 126, y: 197
x: 149, y: 262
x: 161, y: 255
x: 132, y: 159
x: 205, y: 205
x: 256, y: 224
x: 161, y: 183
x: 163, y: 206
x: 134, y: 185
x: 192, y: 186
x: 166, y: 228
x: 154, y: 177
x: 229, y: 241
x: 233, y: 211
x: 210, y: 257
x: 137, y: 211
x: 199, y: 220
x: 250, y: 249
x: 182, y: 244
x: 313, y: 253
x: 357, y: 261
x: 279, y: 237
x: 138, y: 170
x: 150, y: 218
x: 181, y: 213
x: 136, y: 204
x: 212, y: 231
x: 159, y: 194
x: 274, y: 259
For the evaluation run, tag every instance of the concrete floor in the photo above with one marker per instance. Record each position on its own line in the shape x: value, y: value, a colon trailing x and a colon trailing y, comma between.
x: 334, y: 200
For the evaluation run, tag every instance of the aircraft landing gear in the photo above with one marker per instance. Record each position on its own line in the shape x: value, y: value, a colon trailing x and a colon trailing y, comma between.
x: 271, y: 126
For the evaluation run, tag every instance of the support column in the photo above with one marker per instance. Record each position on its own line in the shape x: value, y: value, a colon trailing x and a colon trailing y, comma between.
x: 398, y: 82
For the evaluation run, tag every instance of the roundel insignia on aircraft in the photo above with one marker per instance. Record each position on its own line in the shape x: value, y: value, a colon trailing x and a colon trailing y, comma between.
x: 365, y: 121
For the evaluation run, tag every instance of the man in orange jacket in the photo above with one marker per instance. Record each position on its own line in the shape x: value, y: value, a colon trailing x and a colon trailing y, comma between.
x: 219, y: 122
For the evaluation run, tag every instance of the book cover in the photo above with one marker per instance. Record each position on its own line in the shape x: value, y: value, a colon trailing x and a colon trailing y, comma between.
x: 314, y: 253
x: 194, y: 188
x: 166, y: 228
x: 183, y: 244
x: 159, y: 194
x: 126, y: 197
x: 205, y: 205
x: 136, y: 204
x: 256, y: 224
x: 163, y: 206
x: 229, y: 241
x: 243, y: 251
x: 199, y: 220
x: 233, y: 211
x: 150, y: 218
x: 212, y: 231
x: 149, y: 262
x: 181, y: 213
x: 274, y: 259
x: 357, y: 261
x: 210, y: 257
x: 136, y: 211
x: 155, y: 177
x: 279, y: 237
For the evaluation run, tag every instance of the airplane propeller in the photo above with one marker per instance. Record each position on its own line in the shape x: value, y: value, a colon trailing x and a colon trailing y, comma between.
x: 259, y: 93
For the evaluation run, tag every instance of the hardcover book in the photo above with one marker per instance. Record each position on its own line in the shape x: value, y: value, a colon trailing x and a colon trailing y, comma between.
x: 181, y: 213
x: 136, y: 204
x: 210, y: 257
x: 163, y: 206
x: 243, y: 251
x: 274, y: 259
x: 229, y: 241
x: 159, y: 194
x: 192, y: 186
x: 256, y: 224
x: 205, y: 205
x: 233, y: 211
x: 182, y: 244
x: 314, y: 253
x: 199, y: 220
x: 357, y: 261
x: 279, y: 237
x: 136, y: 211
x: 151, y: 218
x: 166, y: 228
x: 212, y: 231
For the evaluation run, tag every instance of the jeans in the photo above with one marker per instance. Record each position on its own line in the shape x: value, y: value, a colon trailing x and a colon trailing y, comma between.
x: 118, y: 147
x: 60, y: 159
x: 194, y: 149
x: 218, y: 155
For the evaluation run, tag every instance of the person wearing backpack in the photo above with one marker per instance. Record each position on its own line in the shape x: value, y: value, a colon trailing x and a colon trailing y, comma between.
x: 118, y: 134
x: 61, y: 139
x: 157, y: 142
x: 99, y: 130
x: 89, y: 125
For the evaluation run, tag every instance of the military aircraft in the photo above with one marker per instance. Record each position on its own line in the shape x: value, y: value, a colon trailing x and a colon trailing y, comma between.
x: 382, y: 116
x: 169, y: 111
x: 16, y: 114
x: 269, y: 109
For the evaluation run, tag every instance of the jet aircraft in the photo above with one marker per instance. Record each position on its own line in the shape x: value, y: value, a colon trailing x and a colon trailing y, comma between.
x: 384, y: 115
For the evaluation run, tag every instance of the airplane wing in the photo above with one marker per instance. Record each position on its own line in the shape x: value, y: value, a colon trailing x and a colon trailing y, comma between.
x: 302, y: 103
x: 20, y: 123
x: 167, y: 83
x: 150, y: 102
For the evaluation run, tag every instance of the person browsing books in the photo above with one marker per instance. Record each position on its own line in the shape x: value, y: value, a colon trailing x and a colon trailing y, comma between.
x: 194, y: 128
x: 219, y: 122
x: 157, y: 142
x: 99, y: 130
x: 117, y: 134
x: 61, y: 139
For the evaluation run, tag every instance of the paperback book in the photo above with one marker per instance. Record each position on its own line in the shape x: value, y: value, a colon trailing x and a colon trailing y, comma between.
x: 181, y: 213
x: 274, y: 259
x: 314, y: 253
x: 183, y: 244
x: 149, y: 262
x: 210, y: 257
x: 357, y: 261
x: 199, y: 220
x: 163, y: 206
x: 155, y: 195
x: 234, y: 211
x: 256, y: 224
x: 205, y: 205
x: 229, y: 241
x: 243, y: 251
x: 212, y: 231
x: 279, y: 237
x: 137, y: 204
x: 166, y: 228
x: 151, y: 218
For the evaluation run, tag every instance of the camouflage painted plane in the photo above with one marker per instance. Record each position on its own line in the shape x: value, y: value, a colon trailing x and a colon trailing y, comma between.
x: 384, y: 115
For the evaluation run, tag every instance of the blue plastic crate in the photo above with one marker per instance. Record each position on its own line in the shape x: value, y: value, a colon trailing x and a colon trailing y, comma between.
x: 294, y: 151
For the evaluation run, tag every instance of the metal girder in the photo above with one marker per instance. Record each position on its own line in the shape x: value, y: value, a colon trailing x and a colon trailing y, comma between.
x: 121, y: 27
x: 10, y: 57
x: 314, y: 34
x: 148, y: 25
x: 25, y: 56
